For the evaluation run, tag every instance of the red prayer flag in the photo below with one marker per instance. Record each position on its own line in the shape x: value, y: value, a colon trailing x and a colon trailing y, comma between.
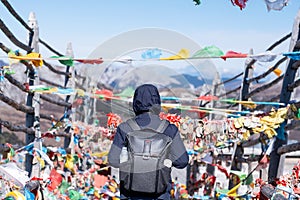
x: 222, y: 169
x: 239, y: 3
x: 233, y: 54
x: 107, y: 94
x: 99, y: 180
x: 55, y: 180
x: 90, y: 61
x: 208, y: 98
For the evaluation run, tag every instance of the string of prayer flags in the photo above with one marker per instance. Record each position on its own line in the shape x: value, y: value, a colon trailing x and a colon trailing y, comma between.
x: 232, y: 101
x: 248, y: 104
x: 51, y: 90
x: 271, y: 4
x: 204, y: 53
x: 209, y: 51
x: 183, y: 53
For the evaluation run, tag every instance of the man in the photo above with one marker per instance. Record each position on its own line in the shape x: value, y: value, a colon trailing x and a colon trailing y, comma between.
x: 147, y: 106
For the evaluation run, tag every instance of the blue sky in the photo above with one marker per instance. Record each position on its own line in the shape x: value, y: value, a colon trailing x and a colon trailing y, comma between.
x: 87, y: 24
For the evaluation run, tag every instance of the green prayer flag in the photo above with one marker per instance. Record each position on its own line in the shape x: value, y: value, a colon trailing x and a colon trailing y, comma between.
x: 12, y: 152
x: 64, y: 60
x: 74, y: 195
x: 64, y: 186
x: 241, y: 175
x: 249, y: 180
x: 209, y: 51
x: 75, y: 158
x: 197, y: 2
x: 128, y: 92
x: 222, y: 191
x: 9, y: 72
x: 230, y: 100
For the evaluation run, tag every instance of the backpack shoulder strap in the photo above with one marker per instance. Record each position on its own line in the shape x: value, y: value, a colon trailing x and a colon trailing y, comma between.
x: 133, y: 125
x: 162, y: 127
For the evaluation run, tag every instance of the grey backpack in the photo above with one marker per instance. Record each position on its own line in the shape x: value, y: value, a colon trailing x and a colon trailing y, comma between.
x: 148, y: 167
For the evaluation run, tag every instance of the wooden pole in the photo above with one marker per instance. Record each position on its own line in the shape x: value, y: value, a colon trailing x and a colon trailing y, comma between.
x: 285, y: 96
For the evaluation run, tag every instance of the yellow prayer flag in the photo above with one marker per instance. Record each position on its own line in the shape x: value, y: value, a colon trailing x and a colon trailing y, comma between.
x: 277, y: 71
x: 34, y: 57
x: 183, y: 53
x: 69, y: 163
x: 80, y: 92
x: 249, y: 105
x: 232, y: 191
x: 100, y: 154
x: 41, y: 161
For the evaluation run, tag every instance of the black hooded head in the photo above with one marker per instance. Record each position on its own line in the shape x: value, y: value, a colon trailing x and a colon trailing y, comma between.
x: 146, y: 99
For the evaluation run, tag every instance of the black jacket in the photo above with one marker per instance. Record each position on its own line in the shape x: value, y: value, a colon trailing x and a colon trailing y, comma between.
x: 147, y: 106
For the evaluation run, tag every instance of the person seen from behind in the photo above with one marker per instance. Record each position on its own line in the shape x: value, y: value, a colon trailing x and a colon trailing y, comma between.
x: 152, y: 147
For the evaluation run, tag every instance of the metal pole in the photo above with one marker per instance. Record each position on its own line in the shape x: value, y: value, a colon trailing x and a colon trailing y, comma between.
x: 69, y: 53
x: 247, y: 75
x: 31, y: 77
x: 36, y: 98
